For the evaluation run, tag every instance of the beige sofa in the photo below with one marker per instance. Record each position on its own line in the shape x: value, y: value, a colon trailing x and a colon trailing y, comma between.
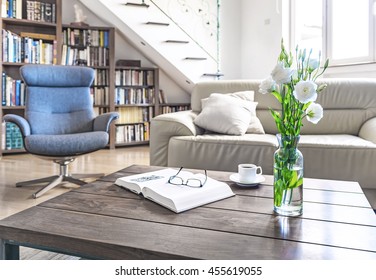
x: 341, y: 146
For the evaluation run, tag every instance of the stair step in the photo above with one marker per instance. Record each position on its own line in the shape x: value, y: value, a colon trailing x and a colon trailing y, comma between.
x: 143, y: 5
x: 195, y: 58
x: 177, y: 41
x: 213, y: 74
x: 158, y: 23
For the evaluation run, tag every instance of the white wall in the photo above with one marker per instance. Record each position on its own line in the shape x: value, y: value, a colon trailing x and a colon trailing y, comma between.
x: 261, y: 35
x: 124, y: 50
x: 230, y: 39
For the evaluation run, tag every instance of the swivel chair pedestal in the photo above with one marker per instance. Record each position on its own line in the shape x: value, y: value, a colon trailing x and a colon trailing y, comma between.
x: 56, y: 180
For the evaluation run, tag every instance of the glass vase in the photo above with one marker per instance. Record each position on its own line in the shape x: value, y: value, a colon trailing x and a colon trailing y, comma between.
x: 288, y: 177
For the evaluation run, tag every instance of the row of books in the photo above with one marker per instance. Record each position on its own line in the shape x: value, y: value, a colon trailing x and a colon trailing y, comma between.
x: 134, y: 96
x: 132, y: 133
x: 128, y: 115
x: 35, y: 10
x: 90, y: 56
x: 172, y: 109
x: 12, y: 137
x: 86, y: 37
x: 100, y: 77
x: 20, y: 49
x: 132, y: 77
x: 12, y: 92
x: 100, y: 96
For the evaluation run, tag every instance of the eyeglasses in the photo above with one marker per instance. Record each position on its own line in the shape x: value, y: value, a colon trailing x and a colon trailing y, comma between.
x: 191, y: 182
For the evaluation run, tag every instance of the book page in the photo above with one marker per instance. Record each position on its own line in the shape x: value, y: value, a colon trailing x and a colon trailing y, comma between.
x: 137, y: 182
x: 178, y: 198
x: 182, y: 197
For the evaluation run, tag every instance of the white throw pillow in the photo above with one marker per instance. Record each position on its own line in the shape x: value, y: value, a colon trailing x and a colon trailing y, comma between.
x: 225, y: 114
x: 255, y: 125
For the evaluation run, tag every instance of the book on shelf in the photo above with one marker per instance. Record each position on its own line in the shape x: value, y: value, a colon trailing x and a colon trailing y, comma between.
x: 20, y: 49
x: 13, y: 137
x: 3, y: 135
x: 39, y: 11
x: 129, y: 133
x: 135, y: 114
x: 134, y: 77
x: 12, y: 92
x: 100, y: 95
x: 134, y: 96
x: 11, y: 9
x: 176, y: 108
x: 87, y: 47
x: 162, y: 97
x: 178, y: 198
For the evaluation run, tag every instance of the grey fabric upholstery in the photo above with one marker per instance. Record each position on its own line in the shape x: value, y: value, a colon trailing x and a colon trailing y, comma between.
x: 59, y: 120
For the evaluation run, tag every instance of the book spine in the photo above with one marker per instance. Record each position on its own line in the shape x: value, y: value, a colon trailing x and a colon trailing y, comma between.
x: 3, y: 132
x: 53, y: 12
x: 4, y: 9
x: 48, y: 12
x: 11, y: 92
x: 10, y: 8
x: 13, y: 137
x: 3, y: 90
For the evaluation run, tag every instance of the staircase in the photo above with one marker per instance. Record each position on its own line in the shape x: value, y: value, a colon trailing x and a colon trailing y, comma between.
x: 159, y: 38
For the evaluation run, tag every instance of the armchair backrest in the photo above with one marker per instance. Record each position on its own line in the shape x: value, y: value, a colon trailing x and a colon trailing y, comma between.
x: 58, y: 98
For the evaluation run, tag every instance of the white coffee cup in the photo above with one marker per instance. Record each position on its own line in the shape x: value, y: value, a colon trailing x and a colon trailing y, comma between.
x: 248, y: 172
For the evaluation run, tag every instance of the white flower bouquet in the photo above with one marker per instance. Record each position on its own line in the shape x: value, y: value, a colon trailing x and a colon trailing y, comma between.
x: 295, y: 88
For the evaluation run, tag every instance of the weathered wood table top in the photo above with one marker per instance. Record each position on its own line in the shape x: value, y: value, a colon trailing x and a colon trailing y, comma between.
x: 102, y: 220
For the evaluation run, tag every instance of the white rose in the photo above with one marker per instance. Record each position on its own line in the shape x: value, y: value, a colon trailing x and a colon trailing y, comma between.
x: 305, y: 91
x: 280, y: 74
x: 314, y: 113
x: 267, y: 85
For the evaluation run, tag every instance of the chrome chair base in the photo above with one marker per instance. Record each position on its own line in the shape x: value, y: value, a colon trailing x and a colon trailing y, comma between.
x: 56, y: 180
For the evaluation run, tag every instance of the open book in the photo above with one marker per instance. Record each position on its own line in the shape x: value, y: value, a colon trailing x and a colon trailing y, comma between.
x: 178, y: 198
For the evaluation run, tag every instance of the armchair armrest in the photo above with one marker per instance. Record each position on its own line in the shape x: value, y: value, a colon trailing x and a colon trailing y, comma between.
x: 21, y: 122
x: 368, y: 130
x: 165, y: 126
x: 102, y: 122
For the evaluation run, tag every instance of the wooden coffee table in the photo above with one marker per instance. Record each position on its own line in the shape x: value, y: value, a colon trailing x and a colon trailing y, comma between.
x: 101, y: 220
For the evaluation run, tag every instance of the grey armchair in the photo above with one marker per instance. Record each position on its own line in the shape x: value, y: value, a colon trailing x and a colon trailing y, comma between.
x: 59, y: 122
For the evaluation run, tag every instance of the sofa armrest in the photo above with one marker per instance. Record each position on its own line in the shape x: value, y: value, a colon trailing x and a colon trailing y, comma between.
x: 368, y: 130
x: 102, y: 122
x: 165, y: 126
x: 21, y: 122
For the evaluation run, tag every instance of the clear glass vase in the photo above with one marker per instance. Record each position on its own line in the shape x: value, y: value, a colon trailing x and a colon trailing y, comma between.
x: 288, y: 177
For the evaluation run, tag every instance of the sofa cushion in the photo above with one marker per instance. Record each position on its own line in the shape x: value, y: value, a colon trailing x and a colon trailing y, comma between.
x: 232, y: 114
x: 225, y: 114
x: 255, y: 125
x: 222, y: 152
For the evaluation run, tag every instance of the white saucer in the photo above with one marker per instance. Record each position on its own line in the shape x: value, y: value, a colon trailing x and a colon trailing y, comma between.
x: 235, y: 178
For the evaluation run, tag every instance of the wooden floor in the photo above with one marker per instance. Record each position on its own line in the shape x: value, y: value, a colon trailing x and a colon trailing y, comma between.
x: 22, y: 167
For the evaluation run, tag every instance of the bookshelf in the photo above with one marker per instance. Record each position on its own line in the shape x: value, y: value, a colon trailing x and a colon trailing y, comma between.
x: 31, y: 33
x: 93, y: 46
x: 135, y: 92
x: 165, y: 108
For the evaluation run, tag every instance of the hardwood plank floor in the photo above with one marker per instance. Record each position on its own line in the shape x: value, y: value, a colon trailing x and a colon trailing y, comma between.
x: 22, y: 167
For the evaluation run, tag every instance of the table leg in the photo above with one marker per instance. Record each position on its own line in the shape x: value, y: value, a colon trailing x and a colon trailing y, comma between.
x: 9, y: 251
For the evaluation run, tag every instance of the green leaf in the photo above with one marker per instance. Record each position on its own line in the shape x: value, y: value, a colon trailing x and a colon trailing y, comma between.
x: 277, y: 95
